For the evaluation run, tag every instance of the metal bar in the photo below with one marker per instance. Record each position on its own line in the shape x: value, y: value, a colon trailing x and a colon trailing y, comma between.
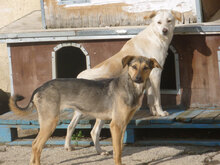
x: 76, y: 38
x: 97, y: 34
x: 54, y: 71
x: 177, y: 70
x: 43, y: 14
x: 199, y: 11
x: 106, y: 32
x: 218, y: 52
x: 10, y: 69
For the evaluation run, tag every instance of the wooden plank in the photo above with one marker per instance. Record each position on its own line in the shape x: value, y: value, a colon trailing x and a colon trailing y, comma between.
x: 216, y: 120
x: 141, y: 117
x: 141, y: 114
x: 11, y: 118
x: 149, y: 142
x: 187, y: 116
x: 147, y: 119
x: 167, y: 119
x: 206, y: 116
x: 6, y: 118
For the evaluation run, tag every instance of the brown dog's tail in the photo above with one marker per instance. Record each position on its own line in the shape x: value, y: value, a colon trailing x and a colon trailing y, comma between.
x: 19, y: 110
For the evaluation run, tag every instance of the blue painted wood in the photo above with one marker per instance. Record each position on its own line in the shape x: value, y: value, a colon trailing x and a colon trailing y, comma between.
x: 89, y: 126
x: 211, y: 118
x: 34, y: 122
x: 178, y: 142
x: 22, y: 122
x: 3, y: 121
x: 129, y: 136
x: 176, y: 125
x: 60, y: 142
x: 188, y: 115
x: 146, y: 142
x: 7, y: 134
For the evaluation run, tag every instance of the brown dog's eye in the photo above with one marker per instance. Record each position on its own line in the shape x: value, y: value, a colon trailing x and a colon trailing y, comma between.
x: 168, y: 20
x: 134, y: 67
x: 159, y: 22
x: 145, y: 68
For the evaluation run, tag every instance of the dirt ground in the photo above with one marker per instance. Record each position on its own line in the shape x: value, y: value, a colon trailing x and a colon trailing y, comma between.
x: 132, y: 155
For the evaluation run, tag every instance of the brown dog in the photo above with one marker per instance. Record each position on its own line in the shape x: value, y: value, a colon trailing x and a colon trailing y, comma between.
x: 109, y: 99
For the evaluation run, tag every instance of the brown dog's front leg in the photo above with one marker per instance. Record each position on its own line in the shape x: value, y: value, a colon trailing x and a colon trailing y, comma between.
x: 116, y: 132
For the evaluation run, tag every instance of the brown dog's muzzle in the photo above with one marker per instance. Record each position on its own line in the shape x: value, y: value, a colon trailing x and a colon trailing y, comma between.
x: 138, y: 79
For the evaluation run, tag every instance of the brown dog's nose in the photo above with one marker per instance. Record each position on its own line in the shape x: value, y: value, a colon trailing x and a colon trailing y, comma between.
x: 138, y: 79
x: 165, y: 30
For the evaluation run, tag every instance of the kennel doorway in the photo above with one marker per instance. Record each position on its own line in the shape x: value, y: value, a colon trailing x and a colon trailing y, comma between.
x: 170, y: 79
x: 68, y: 60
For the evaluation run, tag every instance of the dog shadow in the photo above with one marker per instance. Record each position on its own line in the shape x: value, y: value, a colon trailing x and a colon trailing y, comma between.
x: 4, y: 101
x: 181, y: 152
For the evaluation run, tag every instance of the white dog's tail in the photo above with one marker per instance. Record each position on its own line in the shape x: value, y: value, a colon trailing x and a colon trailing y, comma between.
x: 19, y: 110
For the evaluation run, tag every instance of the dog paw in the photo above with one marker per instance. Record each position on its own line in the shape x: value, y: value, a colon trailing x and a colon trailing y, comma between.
x: 163, y: 113
x: 104, y: 153
x: 69, y: 148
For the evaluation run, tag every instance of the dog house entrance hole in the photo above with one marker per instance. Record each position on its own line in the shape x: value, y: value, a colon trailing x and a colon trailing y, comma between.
x: 69, y: 62
x: 170, y: 75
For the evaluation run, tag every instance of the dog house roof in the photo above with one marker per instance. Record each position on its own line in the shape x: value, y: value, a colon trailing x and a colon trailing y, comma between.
x: 29, y: 29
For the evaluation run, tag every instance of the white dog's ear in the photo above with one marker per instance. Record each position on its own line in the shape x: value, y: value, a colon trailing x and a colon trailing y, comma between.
x: 154, y: 63
x: 126, y: 60
x: 177, y: 15
x: 150, y: 15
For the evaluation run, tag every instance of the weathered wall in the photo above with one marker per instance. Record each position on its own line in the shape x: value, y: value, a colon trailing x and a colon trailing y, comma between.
x: 10, y: 10
x: 96, y: 13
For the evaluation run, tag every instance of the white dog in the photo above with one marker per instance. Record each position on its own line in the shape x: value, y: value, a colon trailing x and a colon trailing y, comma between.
x: 153, y: 42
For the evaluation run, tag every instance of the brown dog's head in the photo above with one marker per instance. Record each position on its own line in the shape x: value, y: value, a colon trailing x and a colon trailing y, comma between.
x: 139, y: 67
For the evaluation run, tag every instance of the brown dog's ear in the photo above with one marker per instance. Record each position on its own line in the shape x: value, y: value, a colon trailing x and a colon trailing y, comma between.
x: 126, y: 60
x: 154, y: 63
x: 177, y: 15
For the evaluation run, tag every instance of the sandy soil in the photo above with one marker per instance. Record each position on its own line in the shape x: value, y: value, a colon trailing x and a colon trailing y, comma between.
x: 132, y: 155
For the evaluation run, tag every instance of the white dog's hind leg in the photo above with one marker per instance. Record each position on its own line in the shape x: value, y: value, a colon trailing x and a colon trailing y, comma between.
x: 95, y: 133
x: 70, y: 130
x: 155, y: 78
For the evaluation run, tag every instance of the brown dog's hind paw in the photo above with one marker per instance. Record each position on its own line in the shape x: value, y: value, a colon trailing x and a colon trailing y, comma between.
x: 70, y: 148
x: 104, y: 153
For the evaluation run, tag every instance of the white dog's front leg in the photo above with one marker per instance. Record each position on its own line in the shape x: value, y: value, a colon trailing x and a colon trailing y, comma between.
x: 95, y: 133
x: 155, y: 78
x: 150, y: 98
x: 70, y: 130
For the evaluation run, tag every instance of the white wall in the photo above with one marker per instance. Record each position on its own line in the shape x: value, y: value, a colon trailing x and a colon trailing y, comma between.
x: 11, y: 10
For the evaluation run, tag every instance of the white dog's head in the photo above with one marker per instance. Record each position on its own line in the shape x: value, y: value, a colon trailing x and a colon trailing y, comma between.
x: 163, y: 22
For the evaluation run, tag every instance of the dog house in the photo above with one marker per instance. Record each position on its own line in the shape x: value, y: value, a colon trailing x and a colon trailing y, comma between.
x: 63, y: 44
